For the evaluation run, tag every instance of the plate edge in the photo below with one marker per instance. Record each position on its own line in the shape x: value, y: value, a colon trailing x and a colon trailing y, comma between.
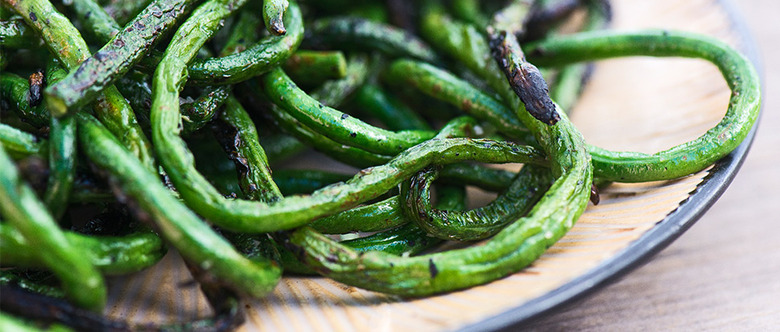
x: 656, y: 239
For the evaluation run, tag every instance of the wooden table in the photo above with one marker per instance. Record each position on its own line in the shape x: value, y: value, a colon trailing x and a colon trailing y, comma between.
x: 723, y: 273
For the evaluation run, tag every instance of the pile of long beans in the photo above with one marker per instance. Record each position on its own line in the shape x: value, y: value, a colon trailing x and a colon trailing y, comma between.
x: 160, y: 125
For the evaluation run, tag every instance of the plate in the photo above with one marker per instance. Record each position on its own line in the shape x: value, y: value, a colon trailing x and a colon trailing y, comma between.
x: 642, y: 104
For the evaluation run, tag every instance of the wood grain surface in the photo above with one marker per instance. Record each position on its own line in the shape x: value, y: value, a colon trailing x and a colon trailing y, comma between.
x: 723, y: 273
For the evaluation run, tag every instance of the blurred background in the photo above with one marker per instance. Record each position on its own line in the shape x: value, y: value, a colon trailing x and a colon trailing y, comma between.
x: 724, y: 272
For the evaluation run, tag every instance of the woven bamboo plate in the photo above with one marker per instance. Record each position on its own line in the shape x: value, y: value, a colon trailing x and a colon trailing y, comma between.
x: 641, y: 104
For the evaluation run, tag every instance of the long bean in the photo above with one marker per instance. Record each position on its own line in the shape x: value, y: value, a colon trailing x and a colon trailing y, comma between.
x: 525, y: 79
x: 334, y: 124
x: 344, y: 153
x: 414, y: 112
x: 360, y: 33
x: 476, y: 175
x: 513, y: 248
x: 124, y: 11
x: 273, y: 14
x: 239, y: 215
x: 62, y: 164
x: 101, y: 26
x: 113, y: 255
x: 298, y: 181
x: 95, y: 73
x: 193, y: 238
x: 445, y: 86
x: 316, y: 66
x: 19, y: 144
x: 279, y: 147
x: 684, y: 158
x: 333, y: 93
x: 255, y: 60
x: 15, y: 34
x: 466, y: 44
x: 513, y: 18
x: 677, y: 161
x: 404, y: 240
x: 479, y: 223
x: 81, y: 281
x: 374, y: 217
x: 409, y: 239
x: 200, y: 112
x: 15, y: 91
x: 239, y: 137
x: 388, y: 109
x: 64, y: 40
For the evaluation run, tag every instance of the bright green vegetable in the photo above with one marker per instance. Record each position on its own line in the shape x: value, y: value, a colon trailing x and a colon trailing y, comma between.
x: 15, y: 90
x: 94, y: 74
x: 19, y: 144
x: 365, y: 92
x: 356, y: 33
x: 334, y: 124
x: 64, y: 40
x: 255, y: 60
x: 179, y: 226
x: 309, y: 67
x: 685, y: 158
x: 111, y: 255
x: 273, y: 14
x: 15, y: 34
x: 80, y: 279
x: 479, y: 223
x: 510, y: 250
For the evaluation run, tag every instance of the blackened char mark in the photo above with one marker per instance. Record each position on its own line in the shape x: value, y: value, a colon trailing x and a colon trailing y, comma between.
x: 524, y: 78
x: 37, y: 84
x: 594, y: 194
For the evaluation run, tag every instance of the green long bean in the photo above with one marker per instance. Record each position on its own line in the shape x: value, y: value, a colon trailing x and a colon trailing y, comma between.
x: 355, y: 33
x: 334, y: 124
x: 273, y: 14
x: 246, y: 216
x: 101, y: 26
x: 255, y: 60
x: 179, y: 226
x: 409, y: 239
x: 388, y: 109
x: 510, y: 250
x: 479, y: 223
x: 445, y: 86
x: 15, y: 34
x: 112, y: 255
x: 19, y: 144
x: 64, y: 41
x: 81, y: 281
x: 374, y: 217
x: 15, y: 91
x: 62, y: 164
x: 344, y: 153
x: 124, y: 11
x: 301, y: 181
x: 239, y: 137
x: 421, y: 105
x: 309, y: 67
x: 200, y: 112
x: 335, y: 92
x: 685, y: 158
x: 95, y: 73
x: 525, y: 79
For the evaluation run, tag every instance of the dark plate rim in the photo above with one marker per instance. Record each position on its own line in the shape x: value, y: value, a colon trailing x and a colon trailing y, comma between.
x: 652, y: 241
